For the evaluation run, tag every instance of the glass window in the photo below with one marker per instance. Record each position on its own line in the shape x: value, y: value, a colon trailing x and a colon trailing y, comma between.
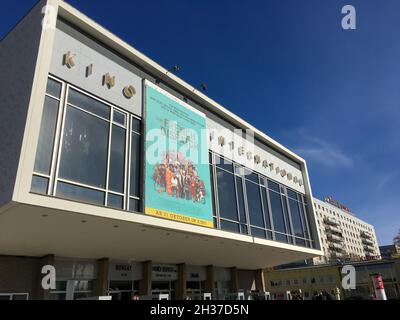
x: 44, y: 151
x: 292, y: 194
x: 115, y: 201
x: 259, y: 233
x: 239, y: 189
x: 273, y: 186
x: 117, y: 159
x: 224, y: 163
x: 53, y: 88
x: 250, y: 175
x: 119, y: 117
x: 266, y: 209
x: 296, y: 219
x: 89, y: 104
x: 39, y: 185
x: 134, y: 205
x: 229, y: 226
x: 226, y: 195
x: 254, y: 204
x: 84, y: 148
x: 136, y: 125
x: 73, y: 192
x: 277, y: 212
x: 135, y: 165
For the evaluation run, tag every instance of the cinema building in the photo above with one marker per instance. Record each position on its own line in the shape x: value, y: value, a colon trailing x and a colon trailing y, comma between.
x: 87, y: 186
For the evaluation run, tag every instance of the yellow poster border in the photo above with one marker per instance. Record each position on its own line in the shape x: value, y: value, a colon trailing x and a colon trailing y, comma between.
x: 178, y: 217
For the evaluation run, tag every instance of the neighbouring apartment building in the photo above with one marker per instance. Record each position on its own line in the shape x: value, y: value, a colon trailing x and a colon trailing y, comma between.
x: 344, y: 237
x: 129, y: 180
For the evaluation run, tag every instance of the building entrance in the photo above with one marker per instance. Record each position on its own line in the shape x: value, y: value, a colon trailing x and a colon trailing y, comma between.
x: 163, y: 287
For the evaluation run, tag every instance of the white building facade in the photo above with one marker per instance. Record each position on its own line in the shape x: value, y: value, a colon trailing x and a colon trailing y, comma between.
x: 343, y: 235
x: 78, y: 189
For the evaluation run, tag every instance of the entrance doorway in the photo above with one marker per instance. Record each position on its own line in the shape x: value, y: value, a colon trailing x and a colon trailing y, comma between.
x: 195, y: 289
x: 123, y: 290
x: 163, y: 287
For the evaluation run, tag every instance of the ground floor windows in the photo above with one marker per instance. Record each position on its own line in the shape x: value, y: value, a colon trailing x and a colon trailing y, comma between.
x: 248, y: 203
x: 123, y: 290
x: 14, y: 296
x: 73, y: 290
x: 88, y: 150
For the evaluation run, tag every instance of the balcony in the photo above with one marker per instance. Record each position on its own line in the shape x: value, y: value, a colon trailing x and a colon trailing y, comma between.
x: 336, y: 255
x: 369, y: 249
x: 334, y: 237
x: 331, y: 221
x: 365, y: 235
x: 336, y: 247
x: 333, y: 229
x: 367, y: 241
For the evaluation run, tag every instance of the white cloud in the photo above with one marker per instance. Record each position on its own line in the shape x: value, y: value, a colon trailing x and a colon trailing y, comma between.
x: 322, y: 152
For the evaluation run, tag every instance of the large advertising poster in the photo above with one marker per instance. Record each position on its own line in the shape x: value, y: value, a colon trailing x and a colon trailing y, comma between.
x: 177, y: 182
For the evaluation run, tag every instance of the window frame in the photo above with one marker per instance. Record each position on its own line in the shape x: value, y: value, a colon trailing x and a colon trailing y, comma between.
x: 54, y: 178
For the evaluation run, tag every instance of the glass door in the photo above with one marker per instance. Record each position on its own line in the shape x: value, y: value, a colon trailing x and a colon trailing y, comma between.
x: 163, y: 287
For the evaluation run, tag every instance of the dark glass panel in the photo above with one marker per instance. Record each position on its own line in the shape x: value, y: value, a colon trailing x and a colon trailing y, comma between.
x: 258, y: 233
x: 254, y: 204
x: 224, y: 163
x: 273, y: 186
x: 266, y: 209
x: 135, y: 165
x: 84, y: 149
x: 134, y: 205
x: 115, y: 201
x: 44, y: 151
x: 72, y: 192
x: 296, y: 219
x: 89, y: 104
x: 239, y: 189
x: 136, y: 125
x: 229, y: 226
x: 119, y: 118
x: 117, y: 159
x: 277, y: 212
x: 53, y: 88
x: 226, y: 195
x: 39, y: 185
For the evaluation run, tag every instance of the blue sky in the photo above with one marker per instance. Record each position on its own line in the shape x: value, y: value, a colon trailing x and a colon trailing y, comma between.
x: 287, y: 67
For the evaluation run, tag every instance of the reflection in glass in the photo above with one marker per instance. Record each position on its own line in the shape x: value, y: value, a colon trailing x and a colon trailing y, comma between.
x: 119, y: 118
x: 44, y: 151
x: 115, y: 201
x: 84, y: 148
x: 117, y: 159
x: 135, y: 165
x: 277, y: 212
x: 226, y: 195
x: 229, y: 226
x: 53, y: 88
x: 39, y: 185
x: 254, y: 204
x: 239, y: 190
x: 296, y: 219
x: 72, y: 192
x: 89, y: 104
x: 134, y: 205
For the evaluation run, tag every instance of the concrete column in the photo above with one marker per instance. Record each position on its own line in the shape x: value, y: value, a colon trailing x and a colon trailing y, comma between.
x: 145, y: 283
x: 40, y: 293
x: 210, y: 281
x: 259, y: 280
x: 234, y: 280
x: 102, y: 277
x: 180, y: 284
